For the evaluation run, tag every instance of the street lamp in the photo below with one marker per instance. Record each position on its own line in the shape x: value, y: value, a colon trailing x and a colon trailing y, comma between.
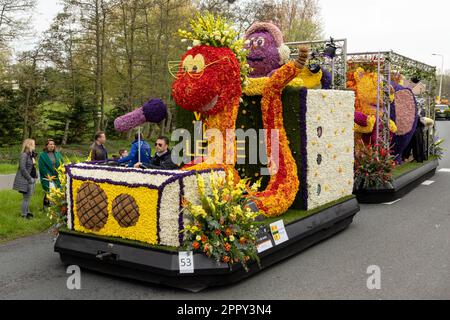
x: 442, y: 74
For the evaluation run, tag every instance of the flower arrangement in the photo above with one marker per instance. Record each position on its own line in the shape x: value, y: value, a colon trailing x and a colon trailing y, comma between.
x: 57, y: 211
x: 436, y: 147
x: 373, y: 166
x: 211, y: 30
x: 223, y: 225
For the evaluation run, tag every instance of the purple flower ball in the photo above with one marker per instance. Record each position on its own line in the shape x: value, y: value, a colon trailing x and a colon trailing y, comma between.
x: 155, y: 110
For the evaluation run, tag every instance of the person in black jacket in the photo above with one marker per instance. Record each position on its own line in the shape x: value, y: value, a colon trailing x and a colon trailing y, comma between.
x: 163, y: 157
x: 97, y: 150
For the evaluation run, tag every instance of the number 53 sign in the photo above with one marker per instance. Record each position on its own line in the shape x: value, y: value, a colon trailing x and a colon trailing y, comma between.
x: 186, y: 262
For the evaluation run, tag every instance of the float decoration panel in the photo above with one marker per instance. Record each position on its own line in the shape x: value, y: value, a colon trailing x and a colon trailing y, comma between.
x: 327, y: 146
x: 304, y: 112
x: 134, y: 204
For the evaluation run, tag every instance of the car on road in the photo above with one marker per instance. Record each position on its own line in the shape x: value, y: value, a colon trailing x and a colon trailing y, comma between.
x: 442, y: 111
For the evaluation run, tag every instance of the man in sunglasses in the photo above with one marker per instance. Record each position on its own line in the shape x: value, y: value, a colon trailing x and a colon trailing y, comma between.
x: 162, y: 159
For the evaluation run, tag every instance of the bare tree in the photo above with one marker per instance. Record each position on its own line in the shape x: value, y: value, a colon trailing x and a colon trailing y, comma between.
x: 299, y: 20
x: 29, y: 76
x: 60, y: 47
x: 14, y: 17
x: 93, y: 17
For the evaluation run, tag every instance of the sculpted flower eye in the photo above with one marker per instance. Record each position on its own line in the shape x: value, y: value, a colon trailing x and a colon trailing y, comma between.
x: 260, y: 42
x: 194, y: 64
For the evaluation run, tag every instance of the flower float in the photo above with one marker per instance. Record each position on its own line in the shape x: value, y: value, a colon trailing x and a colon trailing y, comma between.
x: 267, y: 53
x: 284, y: 185
x: 153, y: 111
x: 365, y: 86
x: 209, y: 81
x: 128, y: 203
x: 405, y: 114
x: 57, y: 212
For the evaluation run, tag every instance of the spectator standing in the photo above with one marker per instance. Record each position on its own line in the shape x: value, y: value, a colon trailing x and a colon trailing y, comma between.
x: 26, y: 176
x: 49, y: 160
x: 97, y: 150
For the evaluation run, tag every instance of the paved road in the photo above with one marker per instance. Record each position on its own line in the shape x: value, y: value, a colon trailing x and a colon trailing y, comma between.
x: 408, y: 240
x: 6, y: 181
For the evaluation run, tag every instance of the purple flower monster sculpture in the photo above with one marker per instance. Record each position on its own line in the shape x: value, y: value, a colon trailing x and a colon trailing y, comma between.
x: 267, y: 52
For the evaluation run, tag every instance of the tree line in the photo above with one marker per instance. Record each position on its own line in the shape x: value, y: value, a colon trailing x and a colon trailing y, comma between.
x: 102, y: 58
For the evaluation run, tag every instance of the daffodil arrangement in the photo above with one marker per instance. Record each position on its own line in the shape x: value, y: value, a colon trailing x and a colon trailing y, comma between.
x: 57, y: 211
x: 215, y: 31
x: 223, y: 225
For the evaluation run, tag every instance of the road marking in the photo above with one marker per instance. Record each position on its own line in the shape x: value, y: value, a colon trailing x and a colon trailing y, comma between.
x: 427, y: 182
x: 391, y: 203
x: 447, y: 170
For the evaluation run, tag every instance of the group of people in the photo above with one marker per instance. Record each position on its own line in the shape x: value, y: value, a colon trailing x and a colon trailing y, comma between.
x: 50, y: 160
x: 25, y: 181
x: 161, y: 160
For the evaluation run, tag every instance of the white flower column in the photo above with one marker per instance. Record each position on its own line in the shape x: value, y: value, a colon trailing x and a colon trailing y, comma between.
x: 328, y: 125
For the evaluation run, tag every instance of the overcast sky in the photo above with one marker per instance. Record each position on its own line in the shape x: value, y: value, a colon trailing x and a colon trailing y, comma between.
x: 414, y: 28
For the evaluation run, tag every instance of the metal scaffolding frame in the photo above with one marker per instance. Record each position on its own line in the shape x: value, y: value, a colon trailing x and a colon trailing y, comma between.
x: 337, y: 66
x: 389, y: 62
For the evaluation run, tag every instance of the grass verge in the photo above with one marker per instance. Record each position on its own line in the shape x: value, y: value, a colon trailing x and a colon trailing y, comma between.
x: 8, y: 168
x: 12, y: 225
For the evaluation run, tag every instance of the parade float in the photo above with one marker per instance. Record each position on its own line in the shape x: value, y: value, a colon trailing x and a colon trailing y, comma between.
x: 221, y: 218
x: 394, y: 124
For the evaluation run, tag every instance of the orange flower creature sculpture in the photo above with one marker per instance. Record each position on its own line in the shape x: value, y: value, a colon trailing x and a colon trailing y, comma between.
x: 209, y: 81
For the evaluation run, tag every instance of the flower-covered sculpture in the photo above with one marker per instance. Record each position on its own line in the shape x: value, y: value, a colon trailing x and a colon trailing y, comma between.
x: 267, y: 51
x: 153, y: 111
x: 209, y: 82
x: 365, y: 86
x: 405, y: 114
